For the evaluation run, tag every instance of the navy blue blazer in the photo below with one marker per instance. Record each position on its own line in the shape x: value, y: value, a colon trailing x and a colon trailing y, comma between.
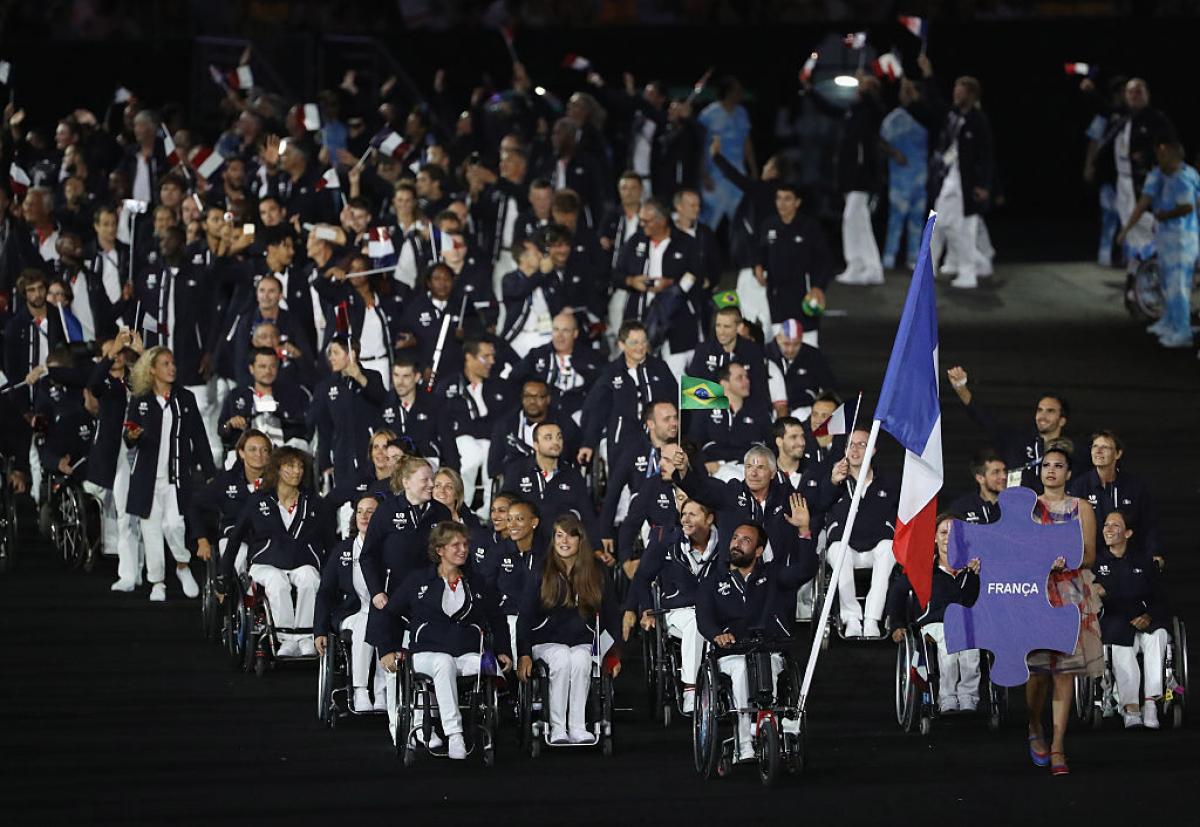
x: 563, y: 623
x: 666, y: 560
x: 342, y: 415
x: 397, y: 541
x: 271, y: 543
x: 187, y: 444
x: 112, y: 395
x: 336, y: 598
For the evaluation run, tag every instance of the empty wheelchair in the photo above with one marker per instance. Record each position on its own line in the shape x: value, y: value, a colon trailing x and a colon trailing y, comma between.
x: 1097, y: 698
x: 476, y: 703
x: 918, y: 680
x: 661, y: 657
x: 778, y: 726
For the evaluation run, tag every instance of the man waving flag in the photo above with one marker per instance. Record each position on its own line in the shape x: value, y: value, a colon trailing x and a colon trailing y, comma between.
x: 909, y: 410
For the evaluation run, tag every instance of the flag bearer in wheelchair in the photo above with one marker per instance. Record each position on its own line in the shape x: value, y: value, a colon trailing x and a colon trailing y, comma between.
x: 445, y: 608
x: 559, y: 611
x: 1135, y: 619
x: 958, y: 673
x: 343, y: 602
x: 282, y: 529
x: 680, y: 562
x: 746, y: 595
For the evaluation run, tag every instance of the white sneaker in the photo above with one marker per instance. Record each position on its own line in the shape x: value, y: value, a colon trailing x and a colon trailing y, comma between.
x: 288, y: 649
x: 689, y: 699
x: 308, y: 649
x: 871, y: 278
x: 123, y: 585
x: 852, y: 628
x: 968, y: 704
x: 435, y: 740
x: 190, y: 588
x: 559, y: 736
x: 362, y: 699
x: 948, y: 270
x: 380, y: 704
x: 745, y: 751
x: 581, y: 736
x: 963, y: 283
x: 1157, y: 328
x: 1132, y: 720
x: 847, y: 278
x: 158, y: 593
x: 458, y: 747
x: 1172, y: 340
x: 871, y: 628
x: 1150, y: 715
x: 948, y: 705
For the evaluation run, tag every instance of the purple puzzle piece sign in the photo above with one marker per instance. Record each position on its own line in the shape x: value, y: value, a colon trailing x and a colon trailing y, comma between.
x: 1013, y: 615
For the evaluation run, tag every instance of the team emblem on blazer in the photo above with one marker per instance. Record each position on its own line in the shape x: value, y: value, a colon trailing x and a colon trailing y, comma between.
x: 231, y: 491
x: 723, y: 588
x: 152, y: 281
x: 389, y: 415
x: 143, y: 407
x: 678, y: 254
x: 617, y: 382
x: 771, y: 236
x: 264, y: 508
x: 641, y: 248
x: 421, y: 592
x: 664, y: 501
x: 333, y: 391
x: 507, y: 565
x: 1104, y: 570
x: 400, y: 520
x: 640, y: 464
x: 526, y: 485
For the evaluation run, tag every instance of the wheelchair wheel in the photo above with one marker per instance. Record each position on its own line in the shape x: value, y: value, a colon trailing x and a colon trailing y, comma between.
x: 1083, y: 698
x: 404, y: 719
x: 1180, y: 669
x: 1143, y: 294
x: 210, y: 607
x: 820, y: 587
x: 606, y: 714
x: 234, y: 629
x: 767, y: 748
x: 599, y: 475
x: 67, y: 525
x: 92, y: 530
x: 325, y: 710
x: 906, y: 688
x: 650, y: 674
x: 705, y: 747
x: 8, y: 529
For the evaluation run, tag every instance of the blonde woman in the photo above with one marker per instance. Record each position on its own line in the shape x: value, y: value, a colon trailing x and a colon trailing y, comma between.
x: 164, y: 431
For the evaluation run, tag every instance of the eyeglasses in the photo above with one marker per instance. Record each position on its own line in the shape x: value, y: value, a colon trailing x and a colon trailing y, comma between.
x: 861, y: 445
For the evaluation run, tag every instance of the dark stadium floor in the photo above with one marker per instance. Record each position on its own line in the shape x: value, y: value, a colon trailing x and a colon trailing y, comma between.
x: 115, y: 711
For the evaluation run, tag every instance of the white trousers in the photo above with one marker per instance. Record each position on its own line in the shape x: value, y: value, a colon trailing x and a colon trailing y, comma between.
x: 278, y: 583
x: 752, y: 297
x: 570, y: 669
x: 503, y: 266
x: 118, y: 527
x: 681, y: 625
x: 729, y: 471
x: 735, y: 667
x: 958, y: 673
x: 35, y: 473
x: 239, y: 563
x: 616, y: 313
x: 445, y: 670
x: 1141, y: 234
x: 1153, y: 646
x: 362, y: 653
x: 474, y: 454
x: 858, y: 238
x: 163, y: 526
x: 880, y: 561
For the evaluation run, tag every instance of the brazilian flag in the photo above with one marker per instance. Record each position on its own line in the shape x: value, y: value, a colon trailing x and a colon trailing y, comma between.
x: 727, y: 298
x: 701, y: 395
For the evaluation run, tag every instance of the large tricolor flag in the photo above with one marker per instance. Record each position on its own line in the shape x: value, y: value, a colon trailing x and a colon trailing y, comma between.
x: 909, y: 410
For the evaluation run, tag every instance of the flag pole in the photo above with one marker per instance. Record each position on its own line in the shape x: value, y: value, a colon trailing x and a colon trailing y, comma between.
x: 819, y: 628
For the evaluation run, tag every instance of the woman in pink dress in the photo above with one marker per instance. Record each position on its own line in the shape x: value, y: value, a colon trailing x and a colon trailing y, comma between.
x: 1053, y: 673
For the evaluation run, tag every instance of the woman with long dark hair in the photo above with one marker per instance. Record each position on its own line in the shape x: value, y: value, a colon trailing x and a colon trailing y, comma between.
x: 281, y: 527
x: 569, y: 597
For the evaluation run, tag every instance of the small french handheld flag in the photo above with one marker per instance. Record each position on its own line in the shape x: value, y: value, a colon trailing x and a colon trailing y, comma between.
x: 241, y: 78
x: 1086, y: 70
x: 18, y: 179
x: 390, y: 143
x: 379, y: 242
x: 836, y: 424
x: 577, y: 62
x: 310, y: 117
x: 806, y: 70
x: 916, y: 25
x: 888, y: 66
x: 169, y: 147
x: 329, y: 180
x: 855, y: 40
x: 207, y: 162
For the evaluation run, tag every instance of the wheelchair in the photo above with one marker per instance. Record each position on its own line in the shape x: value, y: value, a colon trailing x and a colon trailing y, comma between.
x: 1097, y: 698
x: 252, y: 638
x: 333, y: 681
x: 661, y: 656
x: 8, y: 518
x: 70, y: 519
x: 212, y: 618
x: 779, y: 728
x: 822, y: 585
x: 476, y: 700
x: 917, y: 685
x: 533, y: 708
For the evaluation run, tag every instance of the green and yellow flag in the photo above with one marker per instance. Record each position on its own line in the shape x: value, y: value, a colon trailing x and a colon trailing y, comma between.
x: 701, y: 395
x: 726, y: 298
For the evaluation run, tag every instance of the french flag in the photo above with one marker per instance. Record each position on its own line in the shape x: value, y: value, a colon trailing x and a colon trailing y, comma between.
x: 806, y: 71
x: 18, y: 179
x: 910, y: 411
x: 328, y: 180
x: 207, y: 162
x: 1082, y: 69
x: 577, y: 62
x: 169, y: 147
x: 888, y: 66
x: 379, y: 242
x: 916, y: 25
x: 390, y: 143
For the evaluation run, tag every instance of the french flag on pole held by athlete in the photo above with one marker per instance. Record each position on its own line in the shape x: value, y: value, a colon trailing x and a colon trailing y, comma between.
x: 390, y: 143
x: 18, y: 179
x: 909, y: 410
x: 836, y: 424
x: 855, y: 40
x: 207, y: 162
x: 169, y: 146
x: 806, y: 71
x: 379, y: 242
x: 889, y: 66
